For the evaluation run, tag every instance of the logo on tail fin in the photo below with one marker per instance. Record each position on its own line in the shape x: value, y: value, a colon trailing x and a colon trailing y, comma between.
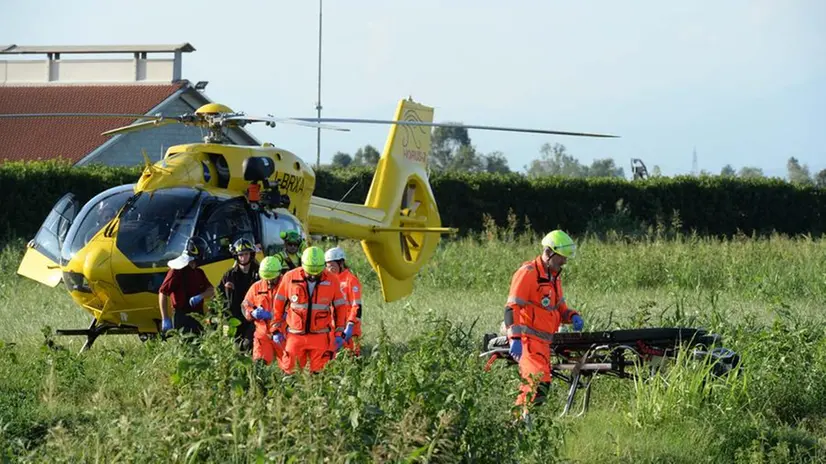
x: 410, y: 115
x: 410, y: 132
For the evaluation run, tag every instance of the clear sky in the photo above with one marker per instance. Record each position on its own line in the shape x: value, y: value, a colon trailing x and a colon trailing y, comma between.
x: 743, y: 81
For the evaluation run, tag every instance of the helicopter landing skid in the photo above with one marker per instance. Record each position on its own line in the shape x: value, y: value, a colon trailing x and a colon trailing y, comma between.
x: 95, y: 330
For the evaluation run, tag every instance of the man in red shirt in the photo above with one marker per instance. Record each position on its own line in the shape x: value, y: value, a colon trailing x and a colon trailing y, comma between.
x: 188, y: 286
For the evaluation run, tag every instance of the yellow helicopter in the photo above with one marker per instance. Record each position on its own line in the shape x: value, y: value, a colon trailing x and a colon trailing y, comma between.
x: 112, y: 252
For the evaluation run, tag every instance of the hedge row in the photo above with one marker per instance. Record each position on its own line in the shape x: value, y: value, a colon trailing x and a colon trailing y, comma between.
x: 30, y: 190
x: 709, y: 205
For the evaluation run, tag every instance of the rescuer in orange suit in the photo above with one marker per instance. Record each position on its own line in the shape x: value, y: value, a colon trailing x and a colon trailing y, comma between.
x: 258, y: 308
x: 534, y: 311
x: 347, y: 324
x: 305, y: 308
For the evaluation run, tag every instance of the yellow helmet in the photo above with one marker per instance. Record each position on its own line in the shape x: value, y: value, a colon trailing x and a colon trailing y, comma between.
x: 560, y: 243
x: 312, y: 260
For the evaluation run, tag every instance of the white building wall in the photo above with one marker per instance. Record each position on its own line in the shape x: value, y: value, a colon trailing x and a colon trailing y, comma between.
x: 86, y: 70
x: 94, y: 70
x: 21, y: 71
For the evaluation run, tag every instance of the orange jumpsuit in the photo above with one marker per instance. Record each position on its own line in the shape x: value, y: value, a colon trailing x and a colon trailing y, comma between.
x: 261, y: 294
x: 535, y: 308
x: 351, y: 288
x: 309, y: 320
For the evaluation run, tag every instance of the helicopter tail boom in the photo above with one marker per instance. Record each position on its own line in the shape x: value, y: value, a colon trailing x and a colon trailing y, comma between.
x: 399, y: 224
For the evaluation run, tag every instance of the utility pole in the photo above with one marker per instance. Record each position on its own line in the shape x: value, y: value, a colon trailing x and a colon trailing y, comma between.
x: 318, y: 102
x: 694, y: 165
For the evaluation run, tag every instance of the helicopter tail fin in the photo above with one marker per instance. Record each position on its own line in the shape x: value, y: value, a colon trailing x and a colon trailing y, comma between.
x: 399, y: 224
x: 401, y: 187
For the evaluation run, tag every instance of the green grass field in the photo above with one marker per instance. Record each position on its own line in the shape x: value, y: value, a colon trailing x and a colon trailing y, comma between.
x: 420, y: 394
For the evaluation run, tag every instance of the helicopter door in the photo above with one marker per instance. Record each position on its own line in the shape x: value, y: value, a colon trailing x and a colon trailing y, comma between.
x: 40, y: 263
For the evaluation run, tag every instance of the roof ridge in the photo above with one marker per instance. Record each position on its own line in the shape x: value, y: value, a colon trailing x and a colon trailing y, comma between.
x: 177, y: 84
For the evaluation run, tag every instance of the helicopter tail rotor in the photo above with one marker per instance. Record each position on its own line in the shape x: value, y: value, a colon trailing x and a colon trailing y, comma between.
x: 399, y: 224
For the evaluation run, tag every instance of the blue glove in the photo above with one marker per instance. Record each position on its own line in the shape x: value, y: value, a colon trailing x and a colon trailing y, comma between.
x: 339, y: 343
x: 516, y: 349
x: 348, y: 332
x: 166, y: 324
x: 578, y: 322
x: 193, y: 302
x: 261, y: 314
x: 278, y: 338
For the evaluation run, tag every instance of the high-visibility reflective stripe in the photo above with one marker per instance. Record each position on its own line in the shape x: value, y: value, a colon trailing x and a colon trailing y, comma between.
x: 519, y: 301
x: 319, y: 307
x: 340, y: 301
x: 299, y: 332
x: 525, y: 330
x: 280, y: 298
x: 357, y: 302
x: 299, y: 305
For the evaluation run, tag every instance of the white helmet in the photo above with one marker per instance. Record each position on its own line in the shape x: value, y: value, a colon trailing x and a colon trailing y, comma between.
x: 334, y: 254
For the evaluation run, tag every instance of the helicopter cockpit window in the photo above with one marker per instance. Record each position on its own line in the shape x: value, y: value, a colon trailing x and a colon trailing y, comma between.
x: 95, y: 214
x: 272, y: 227
x: 220, y: 225
x: 155, y: 226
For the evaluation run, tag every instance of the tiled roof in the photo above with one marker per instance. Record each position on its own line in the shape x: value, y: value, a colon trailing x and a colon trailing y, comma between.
x: 70, y: 138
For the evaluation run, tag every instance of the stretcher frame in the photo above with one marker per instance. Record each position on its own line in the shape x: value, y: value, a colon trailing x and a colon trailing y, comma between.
x: 577, y: 358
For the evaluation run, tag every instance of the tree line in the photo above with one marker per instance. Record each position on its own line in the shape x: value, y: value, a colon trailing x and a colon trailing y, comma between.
x: 452, y: 151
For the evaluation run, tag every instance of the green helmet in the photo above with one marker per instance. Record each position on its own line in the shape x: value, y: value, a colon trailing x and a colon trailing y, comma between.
x: 291, y: 236
x: 560, y: 243
x: 270, y: 267
x: 312, y: 260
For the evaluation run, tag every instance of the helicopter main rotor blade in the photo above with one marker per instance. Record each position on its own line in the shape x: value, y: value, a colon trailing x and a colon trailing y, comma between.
x: 140, y: 126
x: 297, y: 122
x: 447, y: 124
x: 82, y: 115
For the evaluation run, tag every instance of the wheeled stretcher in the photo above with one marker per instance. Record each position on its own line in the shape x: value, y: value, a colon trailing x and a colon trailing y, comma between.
x: 577, y: 357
